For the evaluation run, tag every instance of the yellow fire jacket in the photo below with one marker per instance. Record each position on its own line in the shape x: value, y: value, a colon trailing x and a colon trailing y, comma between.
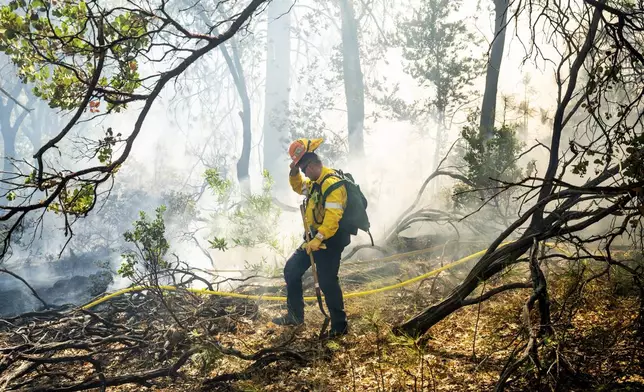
x: 324, y: 218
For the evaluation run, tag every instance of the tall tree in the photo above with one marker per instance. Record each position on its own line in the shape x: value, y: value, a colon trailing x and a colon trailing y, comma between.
x: 237, y: 71
x: 436, y: 49
x: 353, y: 78
x: 234, y: 64
x: 12, y: 115
x: 488, y: 107
x: 276, y: 102
x: 40, y: 122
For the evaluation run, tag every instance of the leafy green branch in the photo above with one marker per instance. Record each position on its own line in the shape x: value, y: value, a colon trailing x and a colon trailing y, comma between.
x: 150, y: 248
x: 246, y: 220
x: 53, y: 45
x: 487, y: 162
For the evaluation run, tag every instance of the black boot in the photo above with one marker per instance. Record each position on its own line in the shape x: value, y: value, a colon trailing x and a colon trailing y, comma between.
x: 288, y: 320
x: 336, y: 331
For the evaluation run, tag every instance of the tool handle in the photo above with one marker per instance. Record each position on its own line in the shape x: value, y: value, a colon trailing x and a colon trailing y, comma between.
x: 303, y: 213
x: 308, y: 234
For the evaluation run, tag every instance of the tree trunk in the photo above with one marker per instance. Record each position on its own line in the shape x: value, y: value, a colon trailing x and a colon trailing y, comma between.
x: 558, y: 119
x: 276, y: 102
x: 640, y: 315
x: 9, y: 130
x: 440, y: 132
x: 495, y: 261
x: 35, y: 134
x: 488, y: 107
x: 40, y: 118
x: 243, y: 163
x: 488, y: 266
x: 9, y: 141
x: 353, y: 79
x: 540, y: 289
x: 237, y: 72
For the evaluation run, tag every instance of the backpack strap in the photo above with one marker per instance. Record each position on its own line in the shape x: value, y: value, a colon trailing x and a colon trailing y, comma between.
x: 331, y: 188
x: 315, y: 185
x: 333, y: 174
x: 334, y: 186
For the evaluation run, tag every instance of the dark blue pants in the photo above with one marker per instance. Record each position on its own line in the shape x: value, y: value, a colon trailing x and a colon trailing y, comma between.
x: 327, y: 263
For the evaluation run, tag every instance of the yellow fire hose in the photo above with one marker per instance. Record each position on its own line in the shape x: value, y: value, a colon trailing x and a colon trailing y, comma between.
x: 308, y: 299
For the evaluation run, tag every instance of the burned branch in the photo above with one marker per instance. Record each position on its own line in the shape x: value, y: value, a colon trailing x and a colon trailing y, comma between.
x: 31, y: 289
x: 131, y: 331
x: 560, y: 209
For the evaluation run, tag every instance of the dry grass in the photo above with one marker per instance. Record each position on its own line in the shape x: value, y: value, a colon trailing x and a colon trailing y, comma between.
x: 596, y: 341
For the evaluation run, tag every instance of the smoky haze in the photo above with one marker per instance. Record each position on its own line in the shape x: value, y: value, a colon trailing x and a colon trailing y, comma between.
x: 289, y: 75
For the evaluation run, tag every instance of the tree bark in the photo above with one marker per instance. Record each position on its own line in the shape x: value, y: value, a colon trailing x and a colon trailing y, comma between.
x: 440, y: 132
x: 487, y: 267
x: 540, y: 292
x: 353, y: 78
x: 237, y: 72
x: 41, y: 118
x: 9, y: 141
x: 9, y: 130
x: 276, y: 102
x: 558, y: 120
x: 35, y: 133
x: 488, y: 107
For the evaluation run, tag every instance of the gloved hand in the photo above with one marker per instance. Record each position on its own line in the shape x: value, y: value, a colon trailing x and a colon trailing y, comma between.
x: 314, y: 245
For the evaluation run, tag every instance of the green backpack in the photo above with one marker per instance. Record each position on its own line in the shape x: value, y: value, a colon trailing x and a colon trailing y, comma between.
x: 355, y: 214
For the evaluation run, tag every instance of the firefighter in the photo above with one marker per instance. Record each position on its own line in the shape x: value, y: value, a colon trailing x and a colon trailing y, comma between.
x: 329, y: 239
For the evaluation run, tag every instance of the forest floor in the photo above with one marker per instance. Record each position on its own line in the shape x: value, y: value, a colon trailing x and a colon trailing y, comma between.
x: 594, y: 346
x: 458, y: 354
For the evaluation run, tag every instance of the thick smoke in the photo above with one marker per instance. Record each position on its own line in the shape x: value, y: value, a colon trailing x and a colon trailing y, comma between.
x: 189, y: 130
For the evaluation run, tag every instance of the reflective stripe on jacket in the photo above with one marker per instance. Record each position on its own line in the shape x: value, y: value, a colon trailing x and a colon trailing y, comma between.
x: 327, y: 217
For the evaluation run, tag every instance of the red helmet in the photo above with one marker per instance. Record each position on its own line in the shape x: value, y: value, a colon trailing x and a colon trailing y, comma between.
x: 298, y: 148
